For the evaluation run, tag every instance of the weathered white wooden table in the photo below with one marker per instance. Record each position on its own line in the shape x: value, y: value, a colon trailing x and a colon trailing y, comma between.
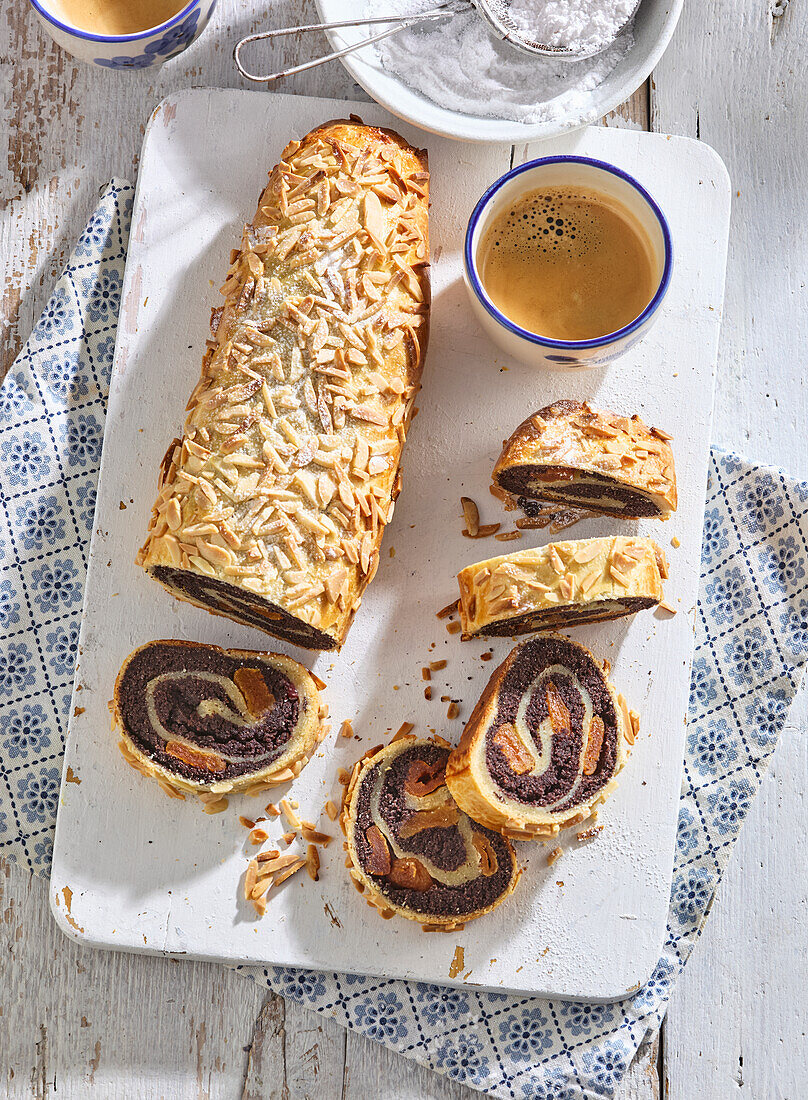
x: 77, y: 1024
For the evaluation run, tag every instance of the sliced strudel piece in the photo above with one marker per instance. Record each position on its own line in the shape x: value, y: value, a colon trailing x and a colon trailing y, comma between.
x: 563, y: 584
x: 573, y: 454
x: 413, y: 852
x: 210, y: 721
x: 543, y: 745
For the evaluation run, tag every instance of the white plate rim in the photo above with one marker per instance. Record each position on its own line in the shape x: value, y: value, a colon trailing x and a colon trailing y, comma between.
x: 392, y: 93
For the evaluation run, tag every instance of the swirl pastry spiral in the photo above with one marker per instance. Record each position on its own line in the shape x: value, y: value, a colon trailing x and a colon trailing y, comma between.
x: 570, y: 453
x: 209, y: 721
x: 411, y: 850
x: 544, y: 743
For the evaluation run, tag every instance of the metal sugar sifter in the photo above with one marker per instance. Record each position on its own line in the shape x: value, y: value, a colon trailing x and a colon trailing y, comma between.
x: 496, y: 13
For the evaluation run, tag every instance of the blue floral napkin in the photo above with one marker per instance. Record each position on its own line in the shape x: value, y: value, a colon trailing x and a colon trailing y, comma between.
x: 751, y: 642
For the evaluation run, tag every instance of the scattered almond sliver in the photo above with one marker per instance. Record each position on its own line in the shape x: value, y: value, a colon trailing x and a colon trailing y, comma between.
x: 483, y: 532
x: 590, y: 833
x: 250, y: 878
x: 289, y: 814
x: 313, y: 862
x: 271, y: 853
x: 258, y: 836
x: 346, y: 729
x: 471, y: 514
x: 445, y: 612
x: 436, y: 666
x: 553, y: 855
x: 331, y: 810
x: 311, y: 834
x: 271, y: 810
x: 292, y: 869
x: 215, y: 807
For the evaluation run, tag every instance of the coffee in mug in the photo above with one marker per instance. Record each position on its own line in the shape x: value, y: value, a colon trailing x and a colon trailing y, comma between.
x: 568, y: 263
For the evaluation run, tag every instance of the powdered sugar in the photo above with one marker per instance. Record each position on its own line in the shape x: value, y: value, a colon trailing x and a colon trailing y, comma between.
x: 460, y: 64
x: 583, y: 26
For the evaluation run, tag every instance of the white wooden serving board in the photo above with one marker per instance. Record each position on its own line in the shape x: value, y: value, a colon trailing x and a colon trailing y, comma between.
x: 134, y: 870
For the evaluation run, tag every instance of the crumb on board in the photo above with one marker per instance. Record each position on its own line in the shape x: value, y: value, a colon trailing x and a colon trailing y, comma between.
x: 553, y: 855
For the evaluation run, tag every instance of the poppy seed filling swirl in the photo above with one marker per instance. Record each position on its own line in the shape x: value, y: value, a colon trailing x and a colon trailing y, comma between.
x: 460, y: 883
x: 189, y: 701
x: 549, y: 710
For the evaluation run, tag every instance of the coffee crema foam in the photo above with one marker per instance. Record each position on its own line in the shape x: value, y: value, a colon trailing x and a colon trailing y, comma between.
x: 568, y: 264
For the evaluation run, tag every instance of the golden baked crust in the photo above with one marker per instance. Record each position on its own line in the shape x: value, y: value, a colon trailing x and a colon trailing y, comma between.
x: 481, y: 857
x: 514, y: 735
x: 560, y: 585
x: 309, y: 731
x: 271, y: 508
x: 572, y: 453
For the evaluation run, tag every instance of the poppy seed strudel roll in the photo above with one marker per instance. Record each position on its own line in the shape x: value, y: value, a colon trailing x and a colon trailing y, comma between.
x: 412, y: 851
x: 563, y: 584
x: 272, y: 506
x: 209, y: 721
x: 570, y: 453
x: 544, y: 743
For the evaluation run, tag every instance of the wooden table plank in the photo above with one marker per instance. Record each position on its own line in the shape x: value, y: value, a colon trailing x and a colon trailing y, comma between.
x: 76, y: 1023
x: 100, y: 1022
x: 736, y: 1025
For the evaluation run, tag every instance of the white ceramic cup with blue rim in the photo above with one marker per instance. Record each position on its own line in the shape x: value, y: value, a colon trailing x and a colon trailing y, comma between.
x: 143, y: 50
x: 566, y: 171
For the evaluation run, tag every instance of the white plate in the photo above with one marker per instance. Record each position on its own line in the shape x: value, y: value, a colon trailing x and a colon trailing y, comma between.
x: 150, y: 874
x: 653, y: 28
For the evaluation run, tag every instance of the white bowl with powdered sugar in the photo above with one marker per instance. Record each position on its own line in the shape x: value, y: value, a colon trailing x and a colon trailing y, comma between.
x: 454, y: 78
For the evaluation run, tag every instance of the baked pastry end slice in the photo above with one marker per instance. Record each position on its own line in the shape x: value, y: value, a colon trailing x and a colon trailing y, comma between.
x: 412, y: 851
x: 210, y: 721
x: 593, y: 459
x: 544, y: 744
x: 563, y: 584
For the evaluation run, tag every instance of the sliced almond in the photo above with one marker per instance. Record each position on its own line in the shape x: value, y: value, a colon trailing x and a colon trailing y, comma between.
x: 471, y: 514
x: 313, y: 862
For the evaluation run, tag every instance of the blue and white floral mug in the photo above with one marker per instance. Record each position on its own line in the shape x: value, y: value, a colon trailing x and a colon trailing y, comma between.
x: 143, y: 50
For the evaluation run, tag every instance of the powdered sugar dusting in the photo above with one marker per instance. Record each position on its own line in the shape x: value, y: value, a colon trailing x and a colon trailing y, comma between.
x: 460, y: 64
x: 583, y: 26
